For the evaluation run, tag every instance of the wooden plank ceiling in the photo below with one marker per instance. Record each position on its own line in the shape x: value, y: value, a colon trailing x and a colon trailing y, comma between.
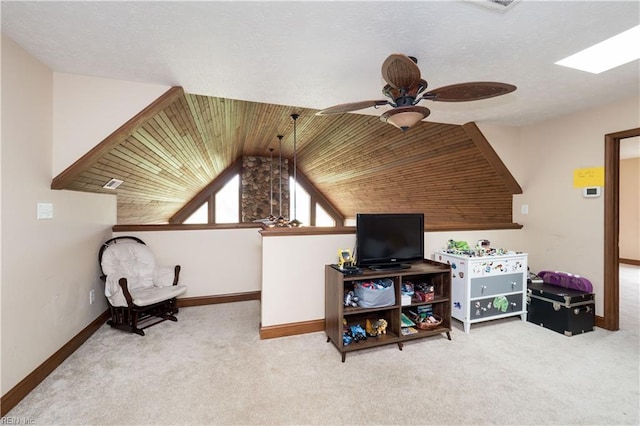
x: 178, y: 145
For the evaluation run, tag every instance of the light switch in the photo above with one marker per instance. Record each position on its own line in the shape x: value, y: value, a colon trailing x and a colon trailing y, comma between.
x: 45, y: 211
x: 524, y: 209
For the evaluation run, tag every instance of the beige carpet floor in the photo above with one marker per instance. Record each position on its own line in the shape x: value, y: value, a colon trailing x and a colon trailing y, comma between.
x: 212, y: 368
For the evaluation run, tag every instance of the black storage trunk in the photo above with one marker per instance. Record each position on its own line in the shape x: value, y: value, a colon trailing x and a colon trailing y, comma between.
x: 560, y: 309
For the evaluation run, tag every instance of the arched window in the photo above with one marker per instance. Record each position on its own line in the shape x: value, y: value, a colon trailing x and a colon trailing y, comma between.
x: 220, y: 202
x: 226, y: 205
x: 228, y: 202
x: 312, y: 209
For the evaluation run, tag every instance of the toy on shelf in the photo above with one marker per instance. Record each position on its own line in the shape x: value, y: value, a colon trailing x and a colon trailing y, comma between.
x: 376, y: 328
x: 358, y: 333
x: 381, y: 326
x: 353, y: 333
x: 350, y: 299
x: 482, y: 248
x: 345, y: 260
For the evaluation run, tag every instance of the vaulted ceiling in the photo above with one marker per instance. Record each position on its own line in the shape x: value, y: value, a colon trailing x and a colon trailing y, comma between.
x: 246, y: 66
x: 180, y: 143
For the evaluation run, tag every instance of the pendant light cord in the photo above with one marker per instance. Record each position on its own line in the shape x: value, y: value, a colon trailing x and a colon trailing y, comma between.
x: 271, y: 183
x: 280, y: 174
x: 295, y: 162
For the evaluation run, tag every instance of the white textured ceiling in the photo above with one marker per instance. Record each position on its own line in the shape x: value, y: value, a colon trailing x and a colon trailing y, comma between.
x: 317, y: 54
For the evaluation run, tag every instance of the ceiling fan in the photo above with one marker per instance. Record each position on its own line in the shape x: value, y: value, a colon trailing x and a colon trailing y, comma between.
x: 404, y: 84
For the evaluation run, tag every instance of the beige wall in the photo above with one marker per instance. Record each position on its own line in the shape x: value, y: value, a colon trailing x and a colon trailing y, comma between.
x: 213, y: 262
x: 563, y: 230
x: 293, y: 269
x: 88, y: 109
x: 48, y: 266
x: 629, y: 243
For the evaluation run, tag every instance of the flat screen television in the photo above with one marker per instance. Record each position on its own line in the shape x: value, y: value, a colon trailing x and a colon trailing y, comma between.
x: 387, y: 241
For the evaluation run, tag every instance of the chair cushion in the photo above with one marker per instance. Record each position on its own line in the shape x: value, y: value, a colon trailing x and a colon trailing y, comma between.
x: 149, y: 296
x: 132, y: 260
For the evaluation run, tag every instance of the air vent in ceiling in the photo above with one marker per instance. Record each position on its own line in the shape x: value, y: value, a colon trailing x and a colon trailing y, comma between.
x: 112, y: 184
x: 497, y: 5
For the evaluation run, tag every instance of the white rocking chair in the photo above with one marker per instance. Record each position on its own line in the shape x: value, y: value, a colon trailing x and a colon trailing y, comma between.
x: 140, y: 294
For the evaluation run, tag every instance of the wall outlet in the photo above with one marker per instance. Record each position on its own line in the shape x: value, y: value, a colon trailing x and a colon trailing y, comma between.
x: 92, y: 297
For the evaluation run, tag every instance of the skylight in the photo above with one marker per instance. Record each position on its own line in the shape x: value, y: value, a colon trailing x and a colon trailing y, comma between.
x: 613, y: 52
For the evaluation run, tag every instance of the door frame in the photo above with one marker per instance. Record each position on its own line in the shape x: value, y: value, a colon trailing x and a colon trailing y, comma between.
x: 611, y: 318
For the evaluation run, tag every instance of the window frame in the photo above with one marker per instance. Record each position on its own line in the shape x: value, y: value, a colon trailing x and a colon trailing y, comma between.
x: 208, y: 194
x: 316, y: 198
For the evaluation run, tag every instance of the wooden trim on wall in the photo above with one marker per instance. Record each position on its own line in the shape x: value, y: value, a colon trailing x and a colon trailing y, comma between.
x: 186, y: 227
x: 214, y: 300
x: 291, y: 329
x: 635, y: 262
x: 611, y: 319
x: 127, y: 129
x: 312, y: 230
x: 29, y: 383
x: 483, y: 145
x: 305, y: 230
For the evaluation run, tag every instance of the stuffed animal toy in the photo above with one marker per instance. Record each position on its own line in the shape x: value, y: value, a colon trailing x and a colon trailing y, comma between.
x: 381, y: 326
x: 350, y: 299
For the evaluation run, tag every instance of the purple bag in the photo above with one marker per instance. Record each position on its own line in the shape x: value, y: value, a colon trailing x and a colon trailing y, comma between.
x: 566, y: 280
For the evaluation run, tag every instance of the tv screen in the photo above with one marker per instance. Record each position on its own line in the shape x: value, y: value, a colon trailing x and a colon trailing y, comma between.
x: 389, y: 240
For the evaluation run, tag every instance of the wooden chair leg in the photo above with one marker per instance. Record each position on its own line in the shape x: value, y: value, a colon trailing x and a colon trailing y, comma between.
x: 134, y: 324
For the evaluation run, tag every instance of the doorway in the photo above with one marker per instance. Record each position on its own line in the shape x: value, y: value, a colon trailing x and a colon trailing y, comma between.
x: 611, y: 318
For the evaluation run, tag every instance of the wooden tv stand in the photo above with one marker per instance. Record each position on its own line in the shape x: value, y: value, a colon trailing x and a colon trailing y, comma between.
x: 336, y: 284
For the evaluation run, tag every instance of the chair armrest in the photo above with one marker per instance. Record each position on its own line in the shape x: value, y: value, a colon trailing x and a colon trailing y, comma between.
x: 177, y: 275
x: 116, y: 290
x: 166, y: 276
x: 125, y: 291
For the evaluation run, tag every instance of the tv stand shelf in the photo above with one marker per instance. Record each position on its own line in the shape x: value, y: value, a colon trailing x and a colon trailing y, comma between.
x: 336, y: 313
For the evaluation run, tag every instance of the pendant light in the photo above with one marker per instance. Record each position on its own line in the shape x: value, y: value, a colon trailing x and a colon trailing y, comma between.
x: 295, y: 222
x: 271, y: 217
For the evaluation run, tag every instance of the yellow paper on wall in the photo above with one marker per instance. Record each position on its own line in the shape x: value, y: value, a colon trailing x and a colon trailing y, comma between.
x: 591, y: 176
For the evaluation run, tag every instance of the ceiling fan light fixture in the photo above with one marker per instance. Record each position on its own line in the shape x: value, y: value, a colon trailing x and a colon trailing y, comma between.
x: 405, y: 117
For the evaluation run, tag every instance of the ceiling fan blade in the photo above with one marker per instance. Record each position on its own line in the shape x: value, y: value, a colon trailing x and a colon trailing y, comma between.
x: 471, y: 91
x: 353, y: 106
x: 400, y: 71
